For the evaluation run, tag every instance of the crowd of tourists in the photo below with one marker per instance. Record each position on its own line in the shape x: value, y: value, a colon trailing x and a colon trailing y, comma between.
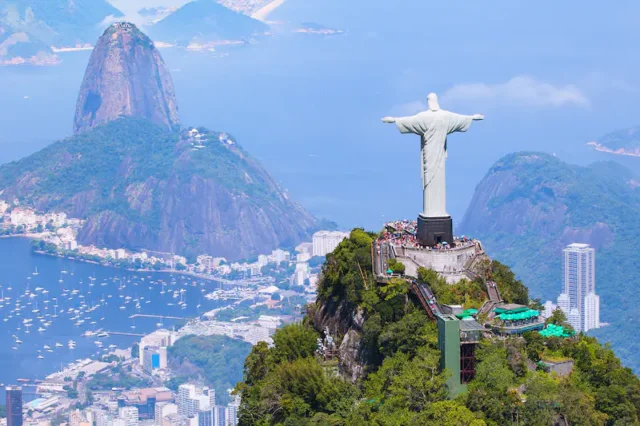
x: 403, y: 233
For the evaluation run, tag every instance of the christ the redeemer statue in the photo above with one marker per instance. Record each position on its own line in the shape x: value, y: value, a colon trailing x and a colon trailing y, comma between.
x: 433, y: 126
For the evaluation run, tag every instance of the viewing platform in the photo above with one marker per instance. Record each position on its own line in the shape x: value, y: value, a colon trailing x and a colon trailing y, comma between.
x: 513, y: 319
x: 453, y: 260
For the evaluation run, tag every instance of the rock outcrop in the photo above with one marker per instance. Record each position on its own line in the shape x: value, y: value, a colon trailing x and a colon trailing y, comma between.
x: 126, y: 77
x: 344, y: 325
x: 139, y: 187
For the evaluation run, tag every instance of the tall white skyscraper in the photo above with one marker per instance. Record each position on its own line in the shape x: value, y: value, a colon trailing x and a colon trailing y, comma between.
x: 186, y: 394
x: 579, y: 280
x: 591, y: 311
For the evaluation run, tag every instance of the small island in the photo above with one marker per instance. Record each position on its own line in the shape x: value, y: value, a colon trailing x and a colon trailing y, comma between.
x: 317, y: 29
x: 621, y: 142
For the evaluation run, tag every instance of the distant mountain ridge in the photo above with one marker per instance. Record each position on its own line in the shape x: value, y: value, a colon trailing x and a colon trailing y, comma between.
x: 205, y: 21
x: 620, y: 142
x: 33, y: 26
x: 59, y: 22
x: 530, y: 205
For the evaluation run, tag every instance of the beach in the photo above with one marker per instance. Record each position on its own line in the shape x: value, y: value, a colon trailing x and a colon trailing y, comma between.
x: 262, y: 13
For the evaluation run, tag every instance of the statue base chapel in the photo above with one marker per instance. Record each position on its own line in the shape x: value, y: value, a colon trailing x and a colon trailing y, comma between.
x: 434, y: 230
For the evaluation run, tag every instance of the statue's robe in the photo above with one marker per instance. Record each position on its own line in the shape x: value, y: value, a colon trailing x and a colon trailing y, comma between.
x: 433, y: 127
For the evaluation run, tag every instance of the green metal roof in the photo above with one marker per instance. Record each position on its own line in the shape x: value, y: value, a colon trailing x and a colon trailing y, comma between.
x: 521, y: 315
x: 467, y: 313
x: 553, y: 330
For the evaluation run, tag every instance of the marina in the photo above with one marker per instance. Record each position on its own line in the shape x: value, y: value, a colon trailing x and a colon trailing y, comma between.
x: 55, y: 311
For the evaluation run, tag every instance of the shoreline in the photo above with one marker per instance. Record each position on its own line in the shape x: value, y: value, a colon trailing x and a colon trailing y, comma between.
x: 621, y: 151
x: 162, y: 271
x: 262, y: 13
x: 77, y: 259
x: 220, y: 280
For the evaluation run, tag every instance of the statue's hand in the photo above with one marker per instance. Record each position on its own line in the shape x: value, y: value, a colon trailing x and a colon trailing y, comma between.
x: 478, y: 117
x: 388, y: 120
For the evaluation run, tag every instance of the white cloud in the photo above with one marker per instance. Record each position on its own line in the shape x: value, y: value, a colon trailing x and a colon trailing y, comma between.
x: 519, y: 91
x: 110, y: 20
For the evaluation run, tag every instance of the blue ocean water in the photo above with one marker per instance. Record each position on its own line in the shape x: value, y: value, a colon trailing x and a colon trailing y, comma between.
x: 60, y: 285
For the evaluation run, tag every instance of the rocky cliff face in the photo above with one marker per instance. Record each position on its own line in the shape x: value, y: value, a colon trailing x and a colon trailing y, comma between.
x: 126, y: 77
x: 527, y: 194
x: 530, y: 205
x: 137, y: 186
x: 346, y: 326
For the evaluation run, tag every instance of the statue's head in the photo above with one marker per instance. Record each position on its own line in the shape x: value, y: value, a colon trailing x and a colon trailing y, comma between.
x: 432, y: 100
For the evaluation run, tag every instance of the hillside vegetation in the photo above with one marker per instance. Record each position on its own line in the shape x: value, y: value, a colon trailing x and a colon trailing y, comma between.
x: 530, y: 205
x: 215, y: 361
x: 400, y: 382
x: 141, y: 187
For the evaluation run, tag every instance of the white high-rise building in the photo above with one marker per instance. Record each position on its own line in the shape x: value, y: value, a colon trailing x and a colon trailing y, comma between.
x: 159, y: 338
x: 591, y: 311
x: 549, y: 307
x: 232, y: 410
x: 563, y: 303
x: 186, y: 393
x: 574, y: 318
x: 129, y: 415
x: 211, y: 393
x: 324, y: 242
x: 579, y: 279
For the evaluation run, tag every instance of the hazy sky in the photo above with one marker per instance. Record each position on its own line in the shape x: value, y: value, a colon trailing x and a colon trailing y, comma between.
x: 548, y: 75
x: 130, y: 7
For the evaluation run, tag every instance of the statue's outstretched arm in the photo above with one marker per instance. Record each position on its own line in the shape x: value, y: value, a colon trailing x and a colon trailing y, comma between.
x: 389, y: 120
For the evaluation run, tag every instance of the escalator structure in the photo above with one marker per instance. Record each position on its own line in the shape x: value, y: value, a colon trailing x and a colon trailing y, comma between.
x: 494, y: 298
x: 427, y: 299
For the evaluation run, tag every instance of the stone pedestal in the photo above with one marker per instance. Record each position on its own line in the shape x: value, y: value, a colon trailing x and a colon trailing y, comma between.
x: 434, y: 230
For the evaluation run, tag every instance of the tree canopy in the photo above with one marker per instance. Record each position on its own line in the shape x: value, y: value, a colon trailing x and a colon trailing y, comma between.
x: 293, y: 383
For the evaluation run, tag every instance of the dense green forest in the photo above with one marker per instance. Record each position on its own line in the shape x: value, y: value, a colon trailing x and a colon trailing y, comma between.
x: 214, y: 360
x: 117, y: 377
x: 290, y: 384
